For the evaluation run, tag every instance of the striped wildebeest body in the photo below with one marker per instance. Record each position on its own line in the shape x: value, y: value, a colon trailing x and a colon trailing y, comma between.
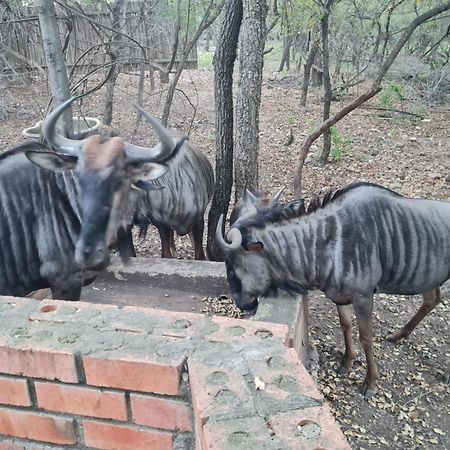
x: 60, y: 209
x: 354, y: 242
x: 176, y: 202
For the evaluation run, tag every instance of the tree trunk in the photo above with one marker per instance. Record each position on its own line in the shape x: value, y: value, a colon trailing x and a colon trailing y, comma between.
x: 118, y: 10
x: 374, y: 90
x: 57, y: 71
x: 224, y: 60
x: 109, y: 93
x: 324, y: 22
x: 286, y: 57
x: 251, y: 52
x: 307, y: 71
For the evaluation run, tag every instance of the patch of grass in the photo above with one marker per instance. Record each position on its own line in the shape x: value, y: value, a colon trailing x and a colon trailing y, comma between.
x: 205, y: 60
x: 291, y: 119
x: 340, y: 145
x: 390, y: 95
x: 312, y: 125
x: 419, y: 109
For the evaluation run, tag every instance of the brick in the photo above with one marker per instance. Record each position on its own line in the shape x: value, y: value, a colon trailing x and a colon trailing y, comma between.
x: 108, y: 436
x: 48, y: 364
x: 325, y: 431
x: 37, y: 426
x: 81, y: 400
x: 218, y: 392
x: 242, y: 331
x: 143, y: 376
x: 160, y: 413
x: 249, y: 433
x: 14, y: 391
x: 284, y: 363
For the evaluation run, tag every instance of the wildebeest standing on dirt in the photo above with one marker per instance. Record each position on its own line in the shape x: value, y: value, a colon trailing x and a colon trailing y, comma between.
x: 177, y: 201
x: 357, y: 241
x: 56, y: 220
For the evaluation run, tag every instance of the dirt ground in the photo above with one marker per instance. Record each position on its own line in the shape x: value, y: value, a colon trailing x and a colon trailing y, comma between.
x: 412, y: 409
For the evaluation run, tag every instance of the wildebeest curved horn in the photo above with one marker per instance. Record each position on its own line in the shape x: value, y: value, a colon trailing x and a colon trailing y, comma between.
x: 135, y: 154
x: 58, y: 142
x: 167, y: 142
x: 251, y: 196
x: 278, y: 195
x: 234, y: 234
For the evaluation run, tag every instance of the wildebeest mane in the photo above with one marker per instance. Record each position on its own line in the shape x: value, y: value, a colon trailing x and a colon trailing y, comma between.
x: 294, y: 209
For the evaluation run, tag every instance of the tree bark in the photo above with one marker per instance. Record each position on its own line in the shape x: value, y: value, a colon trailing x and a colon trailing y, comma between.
x: 251, y: 52
x: 224, y: 60
x: 286, y: 57
x: 307, y: 70
x: 327, y: 94
x: 117, y: 19
x: 57, y: 70
x: 375, y: 89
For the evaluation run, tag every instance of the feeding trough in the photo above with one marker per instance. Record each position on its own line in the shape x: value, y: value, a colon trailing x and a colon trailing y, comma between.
x: 82, y: 126
x: 177, y: 285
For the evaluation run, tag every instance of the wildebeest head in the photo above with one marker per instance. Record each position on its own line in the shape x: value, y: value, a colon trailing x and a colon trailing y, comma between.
x: 106, y: 169
x: 247, y: 270
x: 253, y: 203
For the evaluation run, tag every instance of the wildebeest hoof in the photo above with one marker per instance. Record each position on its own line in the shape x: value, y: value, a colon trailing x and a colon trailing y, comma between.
x: 394, y: 337
x: 367, y: 391
x: 345, y: 363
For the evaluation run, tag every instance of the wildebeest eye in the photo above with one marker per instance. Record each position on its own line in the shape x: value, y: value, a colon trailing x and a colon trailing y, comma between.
x: 254, y: 246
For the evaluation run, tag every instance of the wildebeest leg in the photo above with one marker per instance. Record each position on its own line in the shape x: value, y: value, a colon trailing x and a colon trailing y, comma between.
x: 429, y: 302
x: 125, y: 243
x: 172, y: 242
x: 363, y: 309
x: 345, y: 319
x: 197, y: 237
x: 166, y: 235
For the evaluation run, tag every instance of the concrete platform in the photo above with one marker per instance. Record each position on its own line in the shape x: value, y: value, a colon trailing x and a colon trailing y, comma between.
x: 177, y: 285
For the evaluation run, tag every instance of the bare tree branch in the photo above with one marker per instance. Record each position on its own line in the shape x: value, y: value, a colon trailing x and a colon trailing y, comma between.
x: 375, y: 89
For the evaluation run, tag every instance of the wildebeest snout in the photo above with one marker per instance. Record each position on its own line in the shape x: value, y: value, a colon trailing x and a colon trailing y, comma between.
x: 249, y: 309
x: 92, y: 257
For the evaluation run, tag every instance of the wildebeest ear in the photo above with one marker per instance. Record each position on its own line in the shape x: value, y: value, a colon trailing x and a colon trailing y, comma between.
x: 56, y: 162
x: 254, y: 246
x: 146, y: 186
x: 147, y: 172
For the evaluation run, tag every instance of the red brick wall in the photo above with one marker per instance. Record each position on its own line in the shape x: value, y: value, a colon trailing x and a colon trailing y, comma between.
x: 124, y: 404
x: 76, y: 375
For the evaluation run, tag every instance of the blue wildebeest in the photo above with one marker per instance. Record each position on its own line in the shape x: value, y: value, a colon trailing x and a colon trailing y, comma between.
x: 58, y: 215
x: 177, y: 201
x: 354, y: 242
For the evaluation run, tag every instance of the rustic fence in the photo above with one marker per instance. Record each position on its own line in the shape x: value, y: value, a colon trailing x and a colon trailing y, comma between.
x: 145, y: 35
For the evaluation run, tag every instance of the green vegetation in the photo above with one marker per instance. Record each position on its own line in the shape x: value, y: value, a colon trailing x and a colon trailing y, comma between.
x: 340, y: 145
x: 205, y: 60
x: 391, y: 94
